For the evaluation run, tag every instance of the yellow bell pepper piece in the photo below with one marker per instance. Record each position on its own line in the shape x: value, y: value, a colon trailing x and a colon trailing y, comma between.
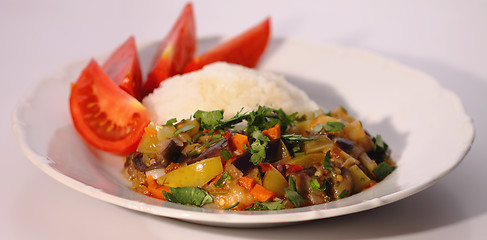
x: 193, y: 175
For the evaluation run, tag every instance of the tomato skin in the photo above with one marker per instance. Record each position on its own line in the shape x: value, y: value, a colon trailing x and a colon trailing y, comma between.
x: 104, y: 115
x: 245, y: 49
x: 123, y: 67
x: 174, y: 51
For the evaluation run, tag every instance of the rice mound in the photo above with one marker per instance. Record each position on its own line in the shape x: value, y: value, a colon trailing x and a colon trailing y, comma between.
x: 224, y: 86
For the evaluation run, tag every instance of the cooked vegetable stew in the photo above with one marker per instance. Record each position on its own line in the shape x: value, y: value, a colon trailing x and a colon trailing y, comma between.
x: 260, y: 160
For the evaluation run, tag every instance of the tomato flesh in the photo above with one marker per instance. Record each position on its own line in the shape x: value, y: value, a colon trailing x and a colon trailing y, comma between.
x: 123, y: 68
x: 104, y: 115
x: 245, y: 49
x: 174, y: 51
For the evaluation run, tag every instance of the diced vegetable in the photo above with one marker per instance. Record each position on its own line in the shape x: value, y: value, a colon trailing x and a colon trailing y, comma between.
x: 246, y: 182
x: 321, y: 144
x: 156, y: 190
x: 274, y: 181
x: 261, y: 193
x: 305, y: 161
x: 368, y: 163
x: 273, y: 132
x: 238, y: 143
x: 193, y: 175
x: 359, y: 179
x: 203, y: 160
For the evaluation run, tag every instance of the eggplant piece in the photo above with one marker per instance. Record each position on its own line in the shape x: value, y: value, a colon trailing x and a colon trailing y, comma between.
x: 212, y: 151
x: 343, y: 188
x: 349, y: 146
x: 171, y: 151
x: 136, y: 160
x: 276, y: 150
x: 344, y: 144
x: 243, y: 163
x: 303, y: 179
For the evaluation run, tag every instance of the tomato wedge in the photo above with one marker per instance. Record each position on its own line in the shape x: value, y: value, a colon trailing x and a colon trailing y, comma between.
x: 245, y: 49
x: 104, y: 115
x: 174, y: 51
x: 123, y: 68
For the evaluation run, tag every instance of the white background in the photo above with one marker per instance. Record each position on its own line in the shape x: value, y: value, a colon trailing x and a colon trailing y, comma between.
x: 446, y: 39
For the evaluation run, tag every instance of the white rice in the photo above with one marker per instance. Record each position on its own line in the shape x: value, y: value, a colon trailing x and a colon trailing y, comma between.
x: 224, y: 86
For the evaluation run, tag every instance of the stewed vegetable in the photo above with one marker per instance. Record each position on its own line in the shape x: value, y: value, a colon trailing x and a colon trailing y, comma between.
x: 260, y: 160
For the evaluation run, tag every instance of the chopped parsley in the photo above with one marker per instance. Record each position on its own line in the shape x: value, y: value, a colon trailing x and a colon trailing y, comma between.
x: 170, y: 122
x: 222, y: 180
x: 226, y: 154
x: 277, y: 205
x: 343, y: 194
x: 188, y: 196
x: 210, y: 119
x: 326, y: 162
x: 294, y: 137
x: 294, y: 197
x: 184, y: 129
x: 234, y: 205
x: 258, y: 147
x: 292, y: 194
x: 381, y: 149
x: 315, y: 185
x: 292, y: 183
x: 383, y: 170
x: 329, y: 127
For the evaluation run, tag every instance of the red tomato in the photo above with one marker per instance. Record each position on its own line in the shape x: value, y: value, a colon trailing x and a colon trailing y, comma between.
x: 104, y: 115
x: 245, y: 49
x: 123, y: 68
x: 174, y: 51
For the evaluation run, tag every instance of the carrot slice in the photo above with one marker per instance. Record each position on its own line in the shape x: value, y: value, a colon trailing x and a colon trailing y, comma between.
x: 238, y: 143
x: 246, y: 182
x: 273, y: 132
x: 155, y: 190
x: 261, y: 193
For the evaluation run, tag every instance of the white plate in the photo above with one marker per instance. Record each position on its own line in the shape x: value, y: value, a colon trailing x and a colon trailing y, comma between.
x: 425, y: 125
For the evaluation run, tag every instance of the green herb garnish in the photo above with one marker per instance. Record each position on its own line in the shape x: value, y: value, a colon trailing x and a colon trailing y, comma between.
x: 294, y: 137
x: 277, y: 205
x: 326, y: 162
x: 234, y: 205
x: 210, y: 119
x: 258, y: 147
x: 226, y: 154
x: 292, y: 194
x: 170, y: 122
x: 383, y: 170
x: 329, y: 127
x: 294, y: 197
x: 184, y: 129
x: 381, y: 148
x: 315, y: 185
x: 343, y: 194
x: 223, y: 178
x: 188, y: 196
x: 292, y: 183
